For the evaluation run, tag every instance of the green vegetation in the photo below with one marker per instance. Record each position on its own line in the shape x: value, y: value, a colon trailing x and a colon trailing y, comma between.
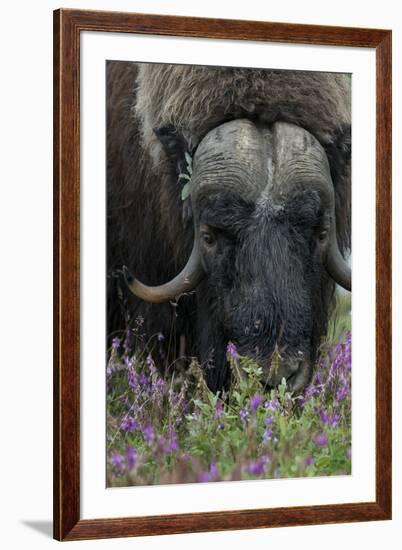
x: 172, y: 429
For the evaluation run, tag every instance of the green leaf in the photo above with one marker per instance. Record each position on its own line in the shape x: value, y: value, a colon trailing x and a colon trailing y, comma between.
x: 185, y: 192
x: 189, y: 161
x: 282, y: 425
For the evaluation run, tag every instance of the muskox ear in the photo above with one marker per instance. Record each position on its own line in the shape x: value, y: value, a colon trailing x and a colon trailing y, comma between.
x: 175, y: 146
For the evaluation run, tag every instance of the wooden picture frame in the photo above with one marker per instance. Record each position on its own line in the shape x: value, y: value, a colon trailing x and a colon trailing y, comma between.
x: 68, y: 24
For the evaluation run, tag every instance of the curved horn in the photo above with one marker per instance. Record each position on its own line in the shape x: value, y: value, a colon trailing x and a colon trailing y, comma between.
x: 187, y: 280
x: 336, y: 265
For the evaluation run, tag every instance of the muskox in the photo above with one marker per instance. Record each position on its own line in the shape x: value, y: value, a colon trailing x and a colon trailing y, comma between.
x: 229, y: 208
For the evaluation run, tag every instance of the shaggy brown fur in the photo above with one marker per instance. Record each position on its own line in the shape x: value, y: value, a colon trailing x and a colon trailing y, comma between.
x: 196, y: 99
x: 144, y: 225
x: 145, y: 229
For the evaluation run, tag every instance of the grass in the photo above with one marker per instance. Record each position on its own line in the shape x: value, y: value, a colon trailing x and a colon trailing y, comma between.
x: 172, y: 429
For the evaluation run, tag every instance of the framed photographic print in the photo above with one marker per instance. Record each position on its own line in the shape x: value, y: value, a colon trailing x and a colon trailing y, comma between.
x: 220, y: 187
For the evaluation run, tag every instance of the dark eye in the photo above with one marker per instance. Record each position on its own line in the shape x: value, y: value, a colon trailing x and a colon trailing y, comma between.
x: 322, y: 235
x: 208, y: 238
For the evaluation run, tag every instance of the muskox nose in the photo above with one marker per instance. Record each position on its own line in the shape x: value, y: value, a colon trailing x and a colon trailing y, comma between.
x: 296, y: 371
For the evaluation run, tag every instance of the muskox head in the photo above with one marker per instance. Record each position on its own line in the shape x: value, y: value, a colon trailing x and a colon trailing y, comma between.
x: 265, y: 248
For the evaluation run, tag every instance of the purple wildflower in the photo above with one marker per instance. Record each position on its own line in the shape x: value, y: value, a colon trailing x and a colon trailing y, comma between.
x: 171, y: 395
x: 309, y: 461
x: 243, y: 414
x: 116, y: 343
x: 331, y: 420
x: 118, y: 462
x: 349, y: 452
x: 150, y: 363
x: 272, y: 404
x: 171, y: 444
x: 214, y: 470
x: 131, y: 457
x: 257, y: 467
x: 149, y: 434
x: 321, y: 440
x: 231, y: 350
x: 310, y: 391
x: 158, y: 385
x: 210, y: 475
x: 255, y: 402
x: 132, y: 379
x: 343, y: 356
x: 268, y: 435
x: 342, y: 393
x: 269, y: 420
x: 128, y: 424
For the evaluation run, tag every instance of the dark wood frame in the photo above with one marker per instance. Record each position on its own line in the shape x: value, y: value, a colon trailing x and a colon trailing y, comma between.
x: 68, y: 25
